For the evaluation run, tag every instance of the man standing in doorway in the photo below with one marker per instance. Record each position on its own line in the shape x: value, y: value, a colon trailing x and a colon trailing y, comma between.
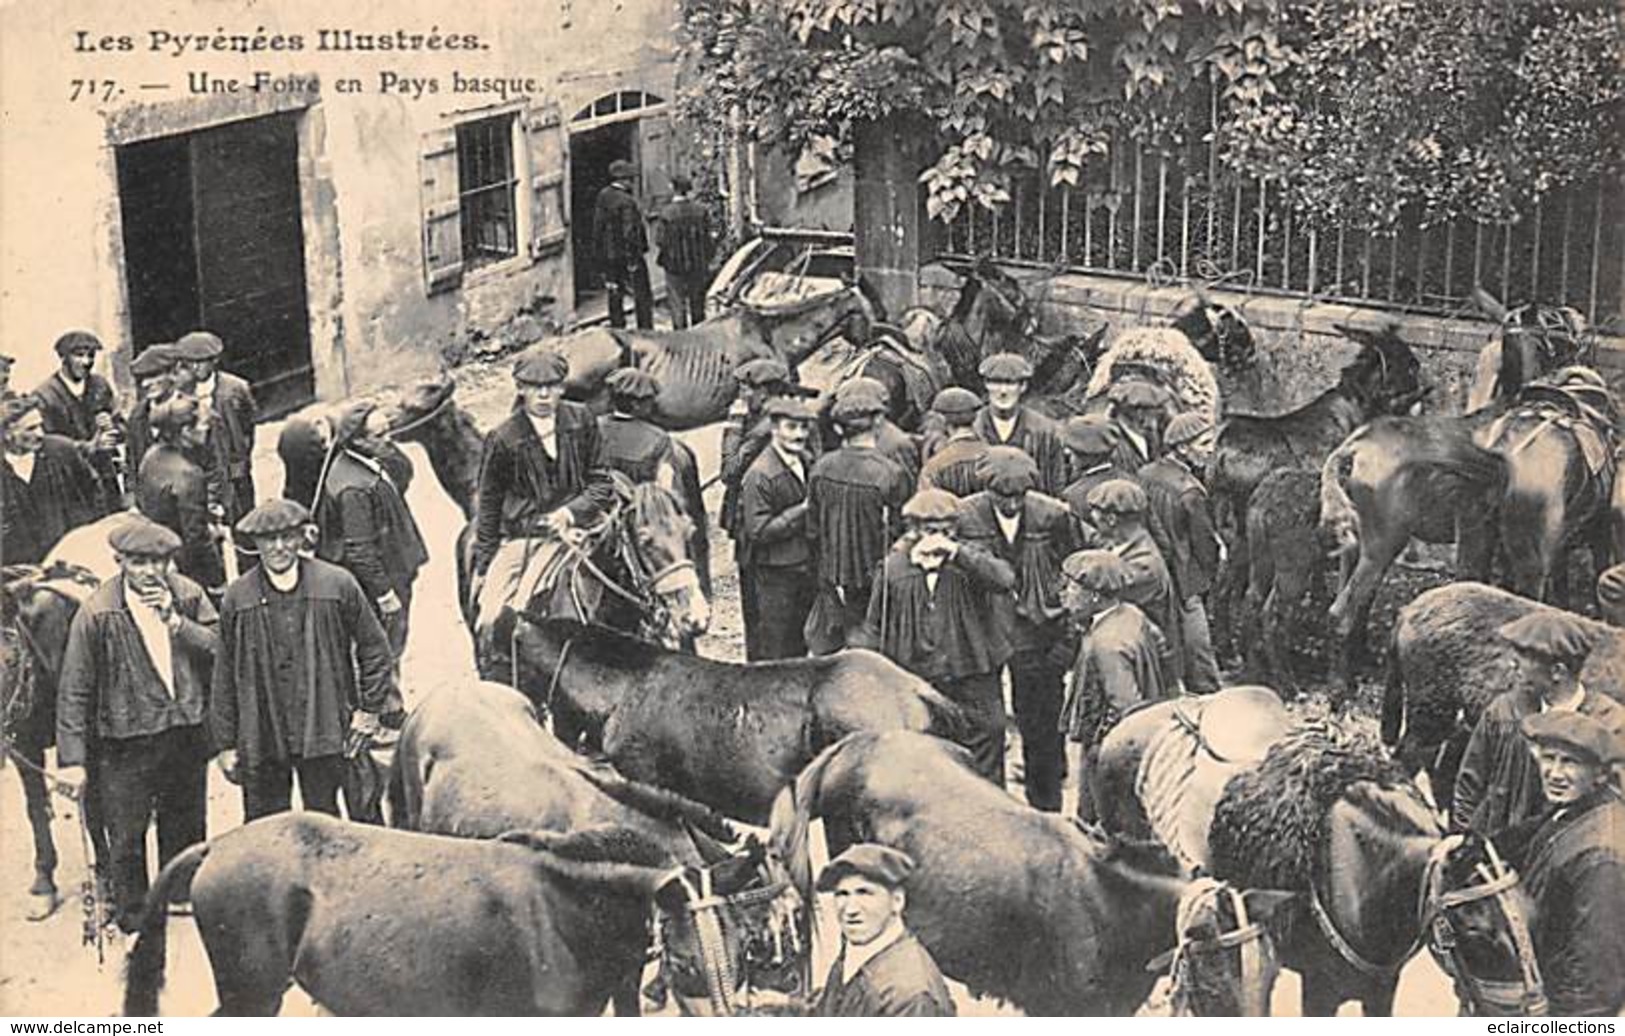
x: 622, y: 240
x: 684, y: 239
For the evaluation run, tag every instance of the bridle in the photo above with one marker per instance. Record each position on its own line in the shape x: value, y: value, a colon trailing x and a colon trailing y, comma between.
x: 422, y: 419
x: 1527, y: 996
x: 1563, y: 339
x: 775, y: 904
x: 1248, y: 938
x: 648, y: 588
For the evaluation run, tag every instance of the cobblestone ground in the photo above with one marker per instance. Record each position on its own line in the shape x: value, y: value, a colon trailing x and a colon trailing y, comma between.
x: 46, y: 971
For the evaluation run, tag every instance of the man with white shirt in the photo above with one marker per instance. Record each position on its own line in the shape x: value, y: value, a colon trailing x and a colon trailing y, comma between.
x: 775, y: 552
x: 1005, y: 421
x: 47, y: 486
x: 882, y: 971
x: 1498, y: 783
x: 135, y: 685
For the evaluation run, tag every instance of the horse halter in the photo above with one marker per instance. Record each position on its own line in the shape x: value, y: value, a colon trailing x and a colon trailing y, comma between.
x: 773, y: 907
x: 1561, y: 332
x: 1247, y: 938
x: 1527, y: 996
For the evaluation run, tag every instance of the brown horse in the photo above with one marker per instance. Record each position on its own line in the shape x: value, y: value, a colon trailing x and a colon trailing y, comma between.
x: 725, y: 734
x: 1016, y: 903
x: 1532, y: 341
x: 370, y: 921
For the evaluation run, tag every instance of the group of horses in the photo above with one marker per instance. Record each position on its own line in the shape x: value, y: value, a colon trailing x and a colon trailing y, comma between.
x: 607, y: 785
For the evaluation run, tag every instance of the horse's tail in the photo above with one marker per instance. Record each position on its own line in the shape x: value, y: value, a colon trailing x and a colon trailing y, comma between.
x: 1338, y: 516
x: 793, y: 811
x: 144, y: 970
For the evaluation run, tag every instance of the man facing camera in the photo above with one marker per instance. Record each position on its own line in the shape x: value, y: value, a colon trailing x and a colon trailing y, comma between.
x: 882, y: 970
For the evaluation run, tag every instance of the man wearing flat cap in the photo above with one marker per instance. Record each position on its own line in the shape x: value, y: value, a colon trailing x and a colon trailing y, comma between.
x: 855, y: 499
x: 1119, y: 508
x: 218, y: 392
x: 1191, y: 545
x: 152, y: 370
x: 78, y: 404
x: 932, y: 612
x: 618, y: 227
x: 1571, y: 857
x: 683, y: 236
x: 1033, y: 534
x: 1093, y: 442
x: 775, y: 553
x: 1141, y: 409
x: 894, y: 443
x: 1498, y: 783
x: 1005, y: 421
x: 540, y: 478
x: 882, y: 970
x: 48, y: 486
x: 955, y: 463
x: 172, y: 489
x: 746, y: 433
x: 303, y: 665
x: 135, y: 685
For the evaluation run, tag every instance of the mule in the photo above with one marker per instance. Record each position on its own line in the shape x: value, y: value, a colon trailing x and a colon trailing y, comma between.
x: 1531, y: 341
x: 725, y: 734
x: 1478, y: 921
x: 370, y: 921
x: 1016, y: 903
x: 1287, y: 557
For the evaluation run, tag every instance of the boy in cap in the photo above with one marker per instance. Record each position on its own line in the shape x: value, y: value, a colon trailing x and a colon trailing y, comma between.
x: 1498, y: 782
x: 775, y: 553
x: 1092, y: 443
x: 882, y: 970
x: 48, y: 486
x: 219, y: 392
x: 172, y: 489
x: 855, y: 499
x: 683, y: 236
x: 1118, y: 507
x: 1006, y: 422
x: 78, y: 404
x: 540, y: 477
x: 617, y: 223
x: 135, y: 684
x: 952, y: 464
x: 152, y: 370
x: 303, y: 665
x: 1572, y: 861
x: 1121, y: 660
x: 1190, y: 545
x: 932, y: 612
x: 1032, y: 533
x: 1141, y: 408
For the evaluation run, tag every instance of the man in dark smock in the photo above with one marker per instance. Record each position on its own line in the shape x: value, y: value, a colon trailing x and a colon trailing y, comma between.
x: 775, y: 554
x: 617, y: 222
x: 683, y: 236
x: 1572, y: 861
x: 747, y: 431
x: 173, y: 489
x: 228, y: 405
x: 303, y: 665
x: 1032, y: 533
x: 1498, y: 782
x: 1191, y: 545
x: 1092, y: 443
x: 1006, y: 421
x: 932, y: 612
x: 47, y: 488
x: 152, y: 371
x: 855, y: 499
x: 893, y: 443
x: 1119, y: 509
x: 1141, y: 409
x: 882, y: 970
x: 955, y: 466
x: 78, y: 404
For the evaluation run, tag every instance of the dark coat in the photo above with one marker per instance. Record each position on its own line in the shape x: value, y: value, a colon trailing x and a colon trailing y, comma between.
x: 173, y: 491
x: 684, y: 237
x: 519, y: 483
x: 1038, y: 437
x: 367, y: 529
x: 1190, y: 545
x: 855, y: 499
x: 950, y: 634
x: 139, y: 441
x: 234, y: 402
x: 1122, y: 661
x: 773, y: 510
x: 637, y: 449
x: 900, y: 447
x: 954, y: 467
x: 62, y: 495
x: 901, y: 981
x: 744, y: 438
x: 1076, y: 496
x: 109, y: 686
x: 617, y: 224
x: 70, y: 416
x: 1043, y: 540
x: 339, y: 660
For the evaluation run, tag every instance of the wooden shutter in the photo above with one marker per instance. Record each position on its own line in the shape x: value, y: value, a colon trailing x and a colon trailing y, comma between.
x: 442, y: 212
x: 549, y: 215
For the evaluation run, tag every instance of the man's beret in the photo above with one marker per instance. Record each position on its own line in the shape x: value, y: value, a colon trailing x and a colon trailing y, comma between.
x: 1090, y: 433
x: 143, y: 537
x: 1574, y: 730
x: 1007, y: 471
x: 1137, y: 392
x: 632, y: 383
x: 880, y: 864
x: 13, y: 407
x: 1005, y: 367
x: 1099, y: 570
x: 274, y: 516
x: 199, y: 345
x: 154, y: 360
x: 174, y: 412
x: 77, y: 341
x: 1549, y: 633
x: 858, y: 397
x: 761, y: 371
x: 788, y: 407
x: 6, y: 359
x: 1119, y: 496
x: 621, y: 169
x: 954, y: 401
x: 862, y: 386
x: 932, y: 505
x: 1185, y: 427
x: 542, y: 367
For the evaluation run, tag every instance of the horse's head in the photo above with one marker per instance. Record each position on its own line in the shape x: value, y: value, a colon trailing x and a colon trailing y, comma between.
x: 1536, y: 339
x: 653, y: 535
x: 1478, y: 924
x: 731, y: 935
x: 994, y: 308
x: 1219, y: 333
x: 800, y: 329
x: 1386, y: 376
x: 1224, y: 964
x: 406, y: 413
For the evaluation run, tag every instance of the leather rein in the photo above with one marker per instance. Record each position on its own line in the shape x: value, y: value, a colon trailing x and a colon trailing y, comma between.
x: 1247, y: 937
x: 709, y: 910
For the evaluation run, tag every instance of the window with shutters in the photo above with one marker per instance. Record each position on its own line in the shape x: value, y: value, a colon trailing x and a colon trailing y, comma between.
x: 486, y: 184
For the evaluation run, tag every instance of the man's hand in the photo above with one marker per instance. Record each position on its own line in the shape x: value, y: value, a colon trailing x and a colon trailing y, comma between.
x: 227, y: 761
x: 557, y: 522
x: 72, y: 775
x: 364, y: 724
x: 389, y: 604
x: 159, y: 598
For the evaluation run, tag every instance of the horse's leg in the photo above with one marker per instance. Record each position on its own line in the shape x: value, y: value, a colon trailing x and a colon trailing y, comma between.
x: 627, y: 1001
x: 1351, y: 612
x: 1379, y: 999
x: 38, y: 797
x: 1321, y: 997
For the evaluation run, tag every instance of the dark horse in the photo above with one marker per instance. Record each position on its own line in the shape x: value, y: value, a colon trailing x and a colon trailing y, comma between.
x: 475, y: 762
x: 1019, y: 904
x: 370, y: 921
x: 1533, y: 340
x: 1323, y: 815
x: 725, y: 734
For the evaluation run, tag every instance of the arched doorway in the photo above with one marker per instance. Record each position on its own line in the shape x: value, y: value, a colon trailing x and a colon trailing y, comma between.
x: 630, y: 124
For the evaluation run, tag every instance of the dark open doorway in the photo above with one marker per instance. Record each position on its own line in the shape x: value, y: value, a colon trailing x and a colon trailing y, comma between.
x: 591, y: 152
x: 213, y: 240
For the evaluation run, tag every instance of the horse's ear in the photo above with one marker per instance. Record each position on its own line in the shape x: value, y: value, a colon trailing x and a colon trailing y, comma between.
x: 711, y: 851
x: 1488, y: 304
x: 1264, y: 904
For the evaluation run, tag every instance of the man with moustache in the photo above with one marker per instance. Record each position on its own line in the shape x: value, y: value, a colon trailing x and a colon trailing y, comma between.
x: 47, y: 485
x: 882, y: 970
x: 775, y: 553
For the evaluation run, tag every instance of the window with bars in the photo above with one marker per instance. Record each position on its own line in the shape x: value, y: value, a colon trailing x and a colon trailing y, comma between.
x: 486, y: 182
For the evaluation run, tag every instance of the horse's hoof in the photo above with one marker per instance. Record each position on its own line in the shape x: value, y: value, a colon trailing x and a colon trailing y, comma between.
x: 42, y: 905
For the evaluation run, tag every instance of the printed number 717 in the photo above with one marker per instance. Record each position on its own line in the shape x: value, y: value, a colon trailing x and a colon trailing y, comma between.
x: 93, y: 89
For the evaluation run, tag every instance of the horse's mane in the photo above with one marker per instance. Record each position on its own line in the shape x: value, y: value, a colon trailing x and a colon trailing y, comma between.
x: 654, y: 505
x: 661, y: 804
x: 615, y: 857
x: 1270, y: 820
x: 603, y: 646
